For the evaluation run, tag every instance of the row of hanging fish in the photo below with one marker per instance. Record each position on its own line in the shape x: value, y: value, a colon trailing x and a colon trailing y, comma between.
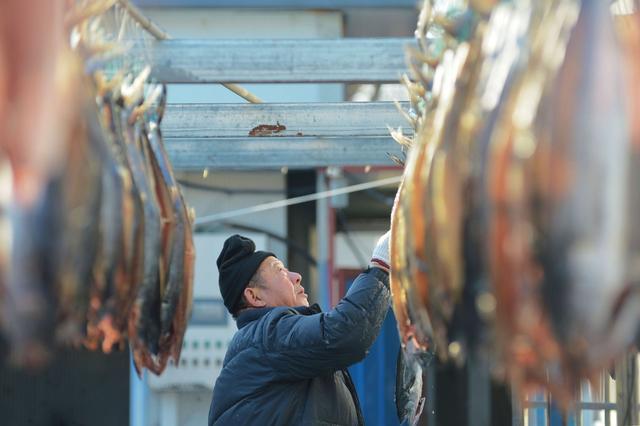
x: 105, y: 251
x: 515, y: 231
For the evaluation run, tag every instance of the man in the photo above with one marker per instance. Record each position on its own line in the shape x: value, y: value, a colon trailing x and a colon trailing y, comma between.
x: 286, y: 364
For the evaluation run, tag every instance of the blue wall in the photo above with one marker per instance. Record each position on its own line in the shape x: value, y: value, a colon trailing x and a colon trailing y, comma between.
x: 375, y: 377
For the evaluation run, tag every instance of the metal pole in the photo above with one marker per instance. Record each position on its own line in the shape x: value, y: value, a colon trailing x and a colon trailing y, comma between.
x: 517, y: 414
x: 479, y: 391
x: 143, y: 21
x: 159, y: 34
x: 138, y: 396
x: 322, y: 235
x: 429, y: 388
x: 243, y: 93
x: 607, y: 413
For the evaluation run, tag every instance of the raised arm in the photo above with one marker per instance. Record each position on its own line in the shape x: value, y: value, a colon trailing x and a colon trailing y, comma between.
x: 306, y: 346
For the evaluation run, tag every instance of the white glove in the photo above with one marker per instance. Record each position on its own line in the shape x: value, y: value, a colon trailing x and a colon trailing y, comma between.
x: 380, y: 256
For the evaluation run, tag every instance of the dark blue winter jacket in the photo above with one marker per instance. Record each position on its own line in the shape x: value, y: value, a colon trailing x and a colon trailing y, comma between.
x: 287, y: 366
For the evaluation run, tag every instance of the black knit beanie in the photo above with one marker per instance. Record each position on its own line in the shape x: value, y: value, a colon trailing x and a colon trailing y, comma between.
x: 237, y: 263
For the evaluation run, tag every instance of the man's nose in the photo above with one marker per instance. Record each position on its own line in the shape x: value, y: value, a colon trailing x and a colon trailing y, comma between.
x: 295, y: 277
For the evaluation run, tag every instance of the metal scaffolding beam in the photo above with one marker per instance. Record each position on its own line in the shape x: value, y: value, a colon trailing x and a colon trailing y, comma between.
x: 275, y: 153
x: 271, y: 136
x: 365, y: 60
x: 297, y: 119
x: 280, y: 4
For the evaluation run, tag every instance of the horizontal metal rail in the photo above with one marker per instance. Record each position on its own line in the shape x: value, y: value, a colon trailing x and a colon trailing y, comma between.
x: 272, y: 136
x: 347, y: 60
x: 580, y: 405
x: 278, y: 4
x: 297, y: 119
x: 258, y: 153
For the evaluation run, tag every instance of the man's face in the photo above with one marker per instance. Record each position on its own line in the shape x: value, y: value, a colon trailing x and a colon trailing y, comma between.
x: 279, y: 286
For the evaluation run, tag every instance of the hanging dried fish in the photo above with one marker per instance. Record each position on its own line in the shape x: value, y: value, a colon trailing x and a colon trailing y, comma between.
x: 130, y: 274
x: 144, y: 320
x: 172, y: 228
x: 496, y: 55
x: 172, y: 325
x: 437, y: 174
x: 512, y: 211
x: 409, y: 280
x: 586, y: 256
x: 529, y: 343
x: 416, y: 333
x: 28, y: 301
x: 44, y: 287
x: 77, y: 252
x: 559, y: 203
x: 115, y: 281
x: 409, y: 384
x: 183, y: 311
x: 400, y: 279
x: 159, y: 264
x: 96, y: 244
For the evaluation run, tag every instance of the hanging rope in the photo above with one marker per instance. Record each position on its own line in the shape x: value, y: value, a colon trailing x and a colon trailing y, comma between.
x: 144, y: 22
x: 296, y: 200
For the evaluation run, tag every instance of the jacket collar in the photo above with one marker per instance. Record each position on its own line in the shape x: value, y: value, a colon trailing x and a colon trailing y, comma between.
x: 249, y: 315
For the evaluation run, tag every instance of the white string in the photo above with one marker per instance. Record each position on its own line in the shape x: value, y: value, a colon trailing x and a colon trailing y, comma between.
x: 296, y: 200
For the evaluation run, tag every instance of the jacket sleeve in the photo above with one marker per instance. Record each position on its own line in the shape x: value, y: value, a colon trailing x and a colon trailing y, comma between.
x: 305, y: 346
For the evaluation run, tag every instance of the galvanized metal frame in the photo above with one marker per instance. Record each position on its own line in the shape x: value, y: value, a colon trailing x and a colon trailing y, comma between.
x: 281, y: 4
x: 317, y: 135
x: 288, y: 120
x: 269, y: 153
x: 293, y: 135
x: 361, y: 60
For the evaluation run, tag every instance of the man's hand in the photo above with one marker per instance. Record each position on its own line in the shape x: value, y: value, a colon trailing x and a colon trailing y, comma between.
x: 380, y: 256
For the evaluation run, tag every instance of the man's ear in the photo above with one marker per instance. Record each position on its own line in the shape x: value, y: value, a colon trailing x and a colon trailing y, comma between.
x: 252, y: 296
